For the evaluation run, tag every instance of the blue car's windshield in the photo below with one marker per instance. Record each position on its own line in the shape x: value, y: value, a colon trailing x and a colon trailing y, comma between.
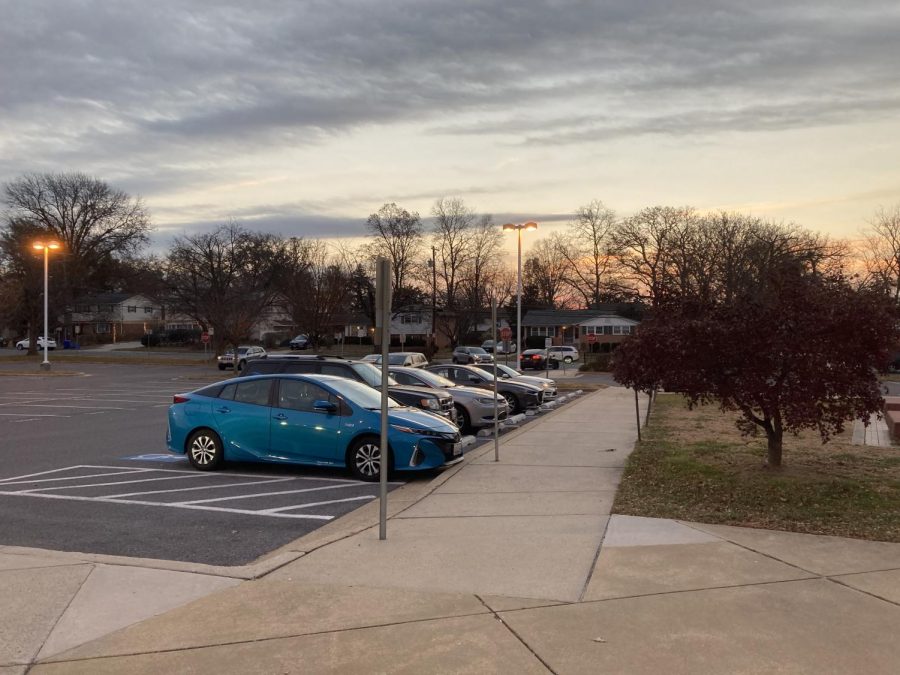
x: 360, y: 394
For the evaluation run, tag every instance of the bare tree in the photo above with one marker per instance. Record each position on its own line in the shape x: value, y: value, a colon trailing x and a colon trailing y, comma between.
x: 545, y: 275
x: 397, y: 235
x: 314, y: 287
x: 881, y: 250
x: 224, y: 279
x: 644, y: 245
x: 95, y: 223
x: 586, y: 250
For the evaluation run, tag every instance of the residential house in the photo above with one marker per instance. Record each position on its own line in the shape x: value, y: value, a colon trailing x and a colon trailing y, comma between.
x: 115, y: 317
x: 572, y: 327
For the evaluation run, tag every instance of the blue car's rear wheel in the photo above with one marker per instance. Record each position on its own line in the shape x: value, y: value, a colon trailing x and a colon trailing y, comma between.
x: 204, y: 450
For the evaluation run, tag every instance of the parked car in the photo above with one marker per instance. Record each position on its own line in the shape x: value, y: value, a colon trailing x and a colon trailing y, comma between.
x: 471, y: 355
x: 474, y: 406
x: 507, y: 373
x: 299, y: 342
x: 23, y: 344
x: 244, y: 354
x: 538, y: 359
x: 565, y: 353
x: 502, y: 347
x: 519, y: 395
x: 438, y: 403
x: 3, y: 341
x: 411, y: 359
x: 305, y: 419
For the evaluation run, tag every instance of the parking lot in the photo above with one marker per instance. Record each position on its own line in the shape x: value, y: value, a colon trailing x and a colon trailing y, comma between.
x: 84, y: 468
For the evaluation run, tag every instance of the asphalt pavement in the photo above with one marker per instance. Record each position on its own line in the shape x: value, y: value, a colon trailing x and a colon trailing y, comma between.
x: 85, y: 469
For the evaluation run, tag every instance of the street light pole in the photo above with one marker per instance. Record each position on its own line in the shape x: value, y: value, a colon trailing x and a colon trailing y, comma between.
x: 518, y: 227
x: 45, y: 247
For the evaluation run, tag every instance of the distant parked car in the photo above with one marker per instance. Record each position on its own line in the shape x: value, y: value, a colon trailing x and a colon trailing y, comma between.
x: 565, y: 353
x: 411, y: 359
x: 23, y: 344
x: 537, y: 359
x: 305, y: 419
x: 468, y: 355
x: 3, y: 341
x: 507, y: 373
x: 244, y: 355
x: 488, y: 346
x: 299, y: 342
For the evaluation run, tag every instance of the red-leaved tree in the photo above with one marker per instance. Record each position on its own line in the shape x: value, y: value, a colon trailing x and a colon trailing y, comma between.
x: 796, y: 350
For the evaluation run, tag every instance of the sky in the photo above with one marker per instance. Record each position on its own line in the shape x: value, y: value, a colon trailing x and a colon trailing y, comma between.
x: 303, y: 117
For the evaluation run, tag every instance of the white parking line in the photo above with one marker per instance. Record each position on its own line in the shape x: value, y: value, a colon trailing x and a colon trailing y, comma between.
x: 121, y: 482
x: 10, y: 481
x: 198, y: 487
x: 269, y: 494
x: 178, y: 506
x: 306, y: 506
x: 31, y: 415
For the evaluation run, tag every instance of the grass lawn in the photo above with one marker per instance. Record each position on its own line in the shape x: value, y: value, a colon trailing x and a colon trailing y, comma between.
x: 695, y: 465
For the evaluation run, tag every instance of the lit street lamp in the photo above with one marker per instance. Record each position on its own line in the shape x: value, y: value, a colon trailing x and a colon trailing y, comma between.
x: 46, y: 248
x: 518, y: 227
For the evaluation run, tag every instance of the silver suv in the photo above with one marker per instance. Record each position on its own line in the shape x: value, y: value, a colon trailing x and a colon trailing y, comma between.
x: 565, y: 353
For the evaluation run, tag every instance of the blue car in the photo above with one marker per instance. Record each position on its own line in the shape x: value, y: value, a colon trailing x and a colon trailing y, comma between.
x: 305, y: 419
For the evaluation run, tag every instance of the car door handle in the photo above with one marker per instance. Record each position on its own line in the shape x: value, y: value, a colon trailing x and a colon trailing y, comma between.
x: 280, y: 416
x: 223, y: 410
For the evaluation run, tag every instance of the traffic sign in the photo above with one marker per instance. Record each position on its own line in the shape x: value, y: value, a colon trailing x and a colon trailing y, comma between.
x: 591, y: 338
x: 505, y: 333
x: 204, y: 337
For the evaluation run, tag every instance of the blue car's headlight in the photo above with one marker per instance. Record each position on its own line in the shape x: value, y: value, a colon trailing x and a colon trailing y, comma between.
x: 418, y: 432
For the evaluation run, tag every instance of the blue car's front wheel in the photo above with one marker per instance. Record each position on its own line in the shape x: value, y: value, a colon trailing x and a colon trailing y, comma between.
x: 364, y: 458
x: 204, y: 450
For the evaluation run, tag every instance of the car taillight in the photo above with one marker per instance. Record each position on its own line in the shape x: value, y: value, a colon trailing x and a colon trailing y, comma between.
x: 536, y: 357
x: 180, y: 399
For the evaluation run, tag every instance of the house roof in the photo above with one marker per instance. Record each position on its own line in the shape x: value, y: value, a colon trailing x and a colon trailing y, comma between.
x: 108, y: 298
x: 562, y: 317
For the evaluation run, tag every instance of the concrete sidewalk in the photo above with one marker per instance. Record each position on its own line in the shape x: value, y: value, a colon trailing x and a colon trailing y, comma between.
x: 508, y: 567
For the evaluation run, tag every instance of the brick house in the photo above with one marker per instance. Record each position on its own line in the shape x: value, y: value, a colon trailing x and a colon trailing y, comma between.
x: 571, y: 327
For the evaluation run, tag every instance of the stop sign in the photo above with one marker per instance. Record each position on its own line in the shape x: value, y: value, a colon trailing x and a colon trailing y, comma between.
x: 505, y: 333
x: 591, y: 338
x: 204, y: 337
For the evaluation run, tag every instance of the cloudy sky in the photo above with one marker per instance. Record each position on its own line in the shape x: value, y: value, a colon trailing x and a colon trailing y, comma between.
x: 305, y: 116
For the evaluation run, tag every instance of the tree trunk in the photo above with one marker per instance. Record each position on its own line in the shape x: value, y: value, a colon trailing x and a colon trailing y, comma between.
x: 774, y: 455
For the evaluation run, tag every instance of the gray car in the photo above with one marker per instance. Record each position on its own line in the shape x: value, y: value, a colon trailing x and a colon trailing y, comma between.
x: 520, y: 395
x: 474, y: 407
x: 507, y: 373
x: 471, y: 355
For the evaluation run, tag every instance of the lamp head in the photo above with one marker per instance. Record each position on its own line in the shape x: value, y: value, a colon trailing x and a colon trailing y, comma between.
x: 530, y: 226
x: 509, y: 226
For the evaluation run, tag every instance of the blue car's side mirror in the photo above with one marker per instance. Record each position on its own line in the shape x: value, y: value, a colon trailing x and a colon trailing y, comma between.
x: 324, y: 406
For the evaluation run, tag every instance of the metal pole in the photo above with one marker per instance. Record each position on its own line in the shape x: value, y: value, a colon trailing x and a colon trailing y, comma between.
x: 496, y: 403
x: 519, y: 306
x: 383, y: 316
x: 433, y: 301
x: 46, y: 364
x: 637, y: 413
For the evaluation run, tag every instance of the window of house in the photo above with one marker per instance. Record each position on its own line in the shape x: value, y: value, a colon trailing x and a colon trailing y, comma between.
x: 132, y: 309
x: 148, y: 310
x: 410, y: 318
x: 101, y: 328
x: 617, y: 330
x: 104, y: 308
x: 542, y: 331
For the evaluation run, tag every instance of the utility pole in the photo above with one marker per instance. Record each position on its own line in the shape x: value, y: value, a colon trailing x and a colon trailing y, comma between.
x: 433, y: 300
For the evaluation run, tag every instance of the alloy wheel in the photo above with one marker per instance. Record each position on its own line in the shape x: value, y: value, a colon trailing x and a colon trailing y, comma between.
x: 368, y: 459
